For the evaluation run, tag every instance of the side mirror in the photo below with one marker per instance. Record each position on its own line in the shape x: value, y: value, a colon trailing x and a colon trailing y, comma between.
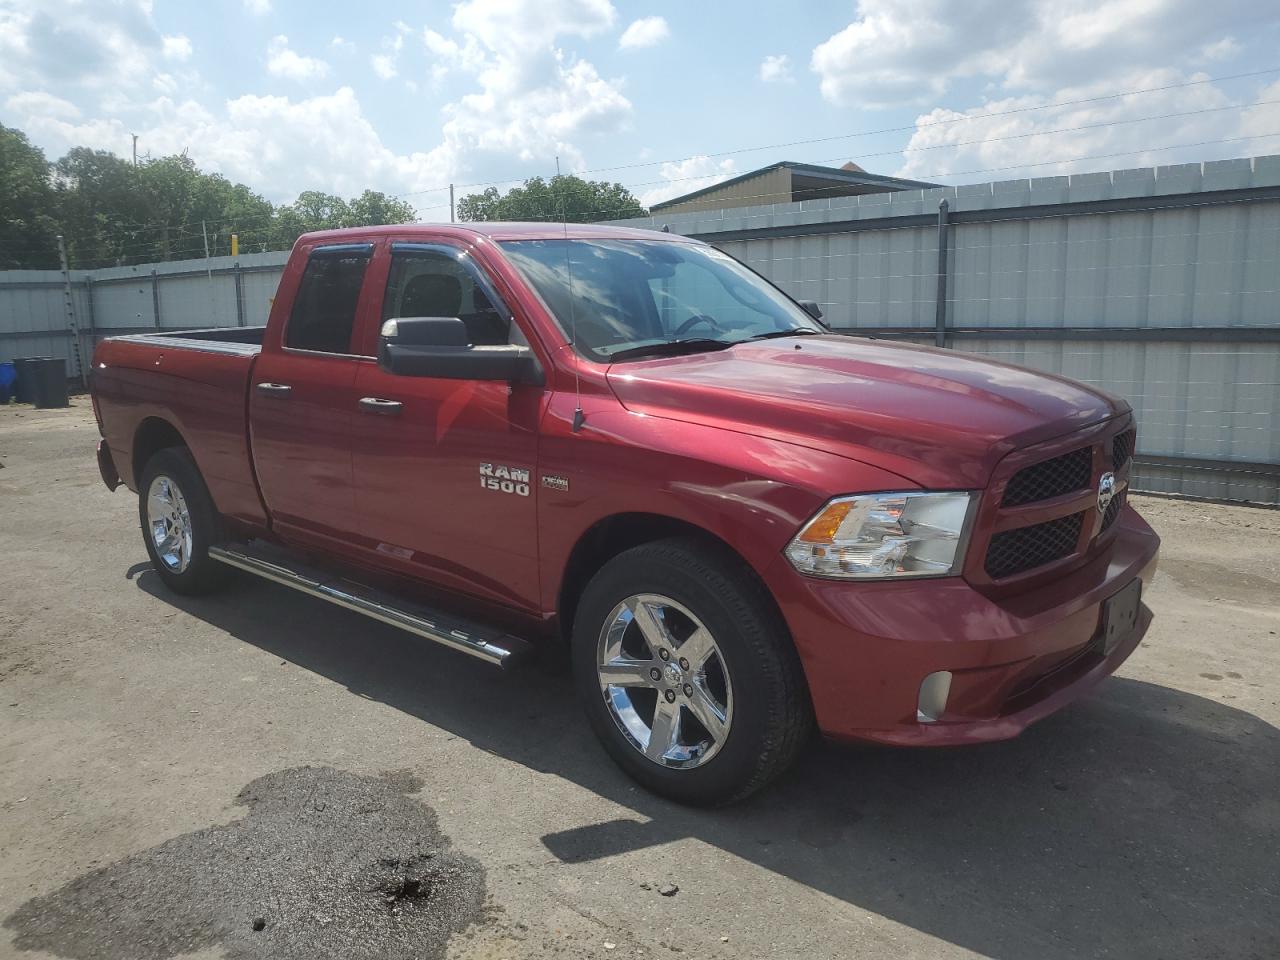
x: 812, y: 309
x: 439, y: 347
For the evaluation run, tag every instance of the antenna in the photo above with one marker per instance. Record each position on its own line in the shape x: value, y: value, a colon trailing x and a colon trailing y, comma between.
x: 578, y: 416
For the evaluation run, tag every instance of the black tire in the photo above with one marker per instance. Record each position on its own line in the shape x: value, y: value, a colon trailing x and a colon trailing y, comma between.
x: 772, y: 717
x: 201, y: 574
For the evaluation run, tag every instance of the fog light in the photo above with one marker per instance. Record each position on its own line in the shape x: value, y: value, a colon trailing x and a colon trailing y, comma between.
x: 934, y: 690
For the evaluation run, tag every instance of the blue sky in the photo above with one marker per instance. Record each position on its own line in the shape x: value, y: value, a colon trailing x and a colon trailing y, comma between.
x: 662, y: 96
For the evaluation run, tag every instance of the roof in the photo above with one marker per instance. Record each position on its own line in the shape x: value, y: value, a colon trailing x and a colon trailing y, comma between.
x: 494, y: 230
x: 834, y: 174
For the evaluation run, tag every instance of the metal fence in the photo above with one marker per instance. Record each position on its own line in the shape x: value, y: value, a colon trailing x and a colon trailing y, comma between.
x: 35, y: 320
x: 1159, y: 284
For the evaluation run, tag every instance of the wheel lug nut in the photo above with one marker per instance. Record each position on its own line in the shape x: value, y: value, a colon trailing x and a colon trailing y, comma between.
x: 684, y: 664
x: 655, y: 674
x: 671, y: 696
x: 688, y: 690
x: 663, y: 654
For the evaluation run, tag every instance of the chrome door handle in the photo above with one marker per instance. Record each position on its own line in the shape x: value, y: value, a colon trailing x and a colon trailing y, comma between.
x: 273, y: 389
x: 388, y: 408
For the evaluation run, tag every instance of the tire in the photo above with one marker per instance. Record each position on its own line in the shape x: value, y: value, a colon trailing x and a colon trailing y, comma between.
x: 185, y: 567
x: 753, y: 683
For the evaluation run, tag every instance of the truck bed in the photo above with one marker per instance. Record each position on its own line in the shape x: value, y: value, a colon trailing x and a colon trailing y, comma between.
x: 239, y: 341
x: 196, y: 381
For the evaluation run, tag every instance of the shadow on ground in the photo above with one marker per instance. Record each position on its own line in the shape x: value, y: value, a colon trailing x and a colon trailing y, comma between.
x: 1142, y: 821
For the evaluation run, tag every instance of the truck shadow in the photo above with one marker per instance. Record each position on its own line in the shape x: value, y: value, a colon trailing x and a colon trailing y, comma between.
x: 1142, y: 821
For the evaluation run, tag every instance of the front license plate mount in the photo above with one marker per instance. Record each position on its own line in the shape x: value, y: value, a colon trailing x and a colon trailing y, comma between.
x: 1120, y: 616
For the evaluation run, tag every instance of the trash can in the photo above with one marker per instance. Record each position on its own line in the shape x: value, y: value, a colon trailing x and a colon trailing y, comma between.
x: 48, y: 382
x: 8, y: 375
x: 22, y: 386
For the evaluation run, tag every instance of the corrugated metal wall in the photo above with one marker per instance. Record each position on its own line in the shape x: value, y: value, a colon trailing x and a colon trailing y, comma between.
x: 189, y: 294
x: 1159, y: 284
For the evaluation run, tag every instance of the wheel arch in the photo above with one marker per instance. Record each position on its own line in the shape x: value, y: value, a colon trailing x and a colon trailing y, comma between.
x: 611, y: 535
x: 153, y: 435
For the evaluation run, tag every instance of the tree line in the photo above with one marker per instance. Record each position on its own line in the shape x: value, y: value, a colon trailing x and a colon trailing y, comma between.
x: 112, y: 212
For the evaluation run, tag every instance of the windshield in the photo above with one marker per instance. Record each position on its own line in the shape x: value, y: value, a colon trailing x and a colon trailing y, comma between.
x: 628, y: 295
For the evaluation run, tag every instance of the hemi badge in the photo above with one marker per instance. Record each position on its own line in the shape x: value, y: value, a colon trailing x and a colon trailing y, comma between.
x: 555, y: 483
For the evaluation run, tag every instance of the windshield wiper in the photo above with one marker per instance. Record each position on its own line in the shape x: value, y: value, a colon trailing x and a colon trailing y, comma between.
x: 792, y: 332
x: 670, y: 348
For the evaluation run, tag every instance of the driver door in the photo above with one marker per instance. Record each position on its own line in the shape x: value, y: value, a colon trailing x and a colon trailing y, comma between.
x: 425, y: 448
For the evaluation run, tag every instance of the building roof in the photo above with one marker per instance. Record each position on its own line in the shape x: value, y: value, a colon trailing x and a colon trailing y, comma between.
x: 849, y: 174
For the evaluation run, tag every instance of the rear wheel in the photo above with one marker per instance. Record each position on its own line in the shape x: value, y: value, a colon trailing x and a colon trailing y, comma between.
x: 179, y: 523
x: 688, y: 674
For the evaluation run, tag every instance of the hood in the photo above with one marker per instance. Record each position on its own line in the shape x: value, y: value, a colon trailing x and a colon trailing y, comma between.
x: 939, y: 418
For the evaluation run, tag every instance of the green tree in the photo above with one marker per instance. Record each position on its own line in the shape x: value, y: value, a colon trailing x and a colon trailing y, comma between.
x: 27, y: 229
x: 372, y: 208
x: 563, y: 197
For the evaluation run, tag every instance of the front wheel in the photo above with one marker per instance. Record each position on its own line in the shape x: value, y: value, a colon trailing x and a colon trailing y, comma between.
x: 688, y: 674
x: 179, y: 523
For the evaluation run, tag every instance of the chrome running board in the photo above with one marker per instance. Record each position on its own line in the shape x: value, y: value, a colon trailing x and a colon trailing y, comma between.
x: 492, y: 646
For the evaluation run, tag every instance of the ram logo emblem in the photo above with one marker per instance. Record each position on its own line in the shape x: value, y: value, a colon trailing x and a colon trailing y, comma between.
x: 504, y: 479
x: 1106, y: 491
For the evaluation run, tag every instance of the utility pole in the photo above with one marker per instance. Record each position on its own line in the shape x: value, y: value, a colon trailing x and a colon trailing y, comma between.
x: 135, y: 149
x: 451, y: 216
x: 70, y: 306
x: 205, y: 233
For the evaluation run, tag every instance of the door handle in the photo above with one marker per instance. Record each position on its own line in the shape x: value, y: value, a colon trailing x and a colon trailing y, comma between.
x: 273, y: 389
x: 387, y: 408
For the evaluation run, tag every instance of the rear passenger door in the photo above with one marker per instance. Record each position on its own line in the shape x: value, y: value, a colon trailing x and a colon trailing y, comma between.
x: 302, y: 401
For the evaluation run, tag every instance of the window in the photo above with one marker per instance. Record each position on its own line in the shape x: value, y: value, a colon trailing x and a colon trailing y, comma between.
x: 427, y: 283
x: 324, y: 310
x: 611, y: 295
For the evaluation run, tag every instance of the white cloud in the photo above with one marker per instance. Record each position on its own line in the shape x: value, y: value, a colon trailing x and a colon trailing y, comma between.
x: 285, y: 62
x: 342, y: 45
x: 1044, y: 142
x: 177, y: 48
x: 45, y: 104
x: 898, y: 52
x: 387, y: 64
x: 645, y: 32
x: 688, y: 175
x: 258, y: 7
x: 1223, y: 49
x: 776, y: 69
x: 89, y: 45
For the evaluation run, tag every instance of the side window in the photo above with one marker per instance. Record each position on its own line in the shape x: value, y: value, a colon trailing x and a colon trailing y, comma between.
x: 430, y: 284
x: 324, y: 310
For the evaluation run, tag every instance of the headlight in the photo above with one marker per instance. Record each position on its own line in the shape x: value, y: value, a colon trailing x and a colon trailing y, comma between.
x: 883, y: 535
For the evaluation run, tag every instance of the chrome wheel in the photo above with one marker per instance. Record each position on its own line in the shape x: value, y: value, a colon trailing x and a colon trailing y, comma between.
x: 664, y: 681
x: 169, y: 523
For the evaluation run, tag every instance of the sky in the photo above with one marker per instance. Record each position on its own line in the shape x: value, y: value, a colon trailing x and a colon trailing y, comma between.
x: 665, y: 97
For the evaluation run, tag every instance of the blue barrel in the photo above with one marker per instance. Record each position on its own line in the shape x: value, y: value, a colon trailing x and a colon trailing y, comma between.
x: 8, y: 377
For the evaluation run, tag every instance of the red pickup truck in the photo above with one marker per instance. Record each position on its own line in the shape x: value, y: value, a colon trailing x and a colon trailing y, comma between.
x: 501, y: 435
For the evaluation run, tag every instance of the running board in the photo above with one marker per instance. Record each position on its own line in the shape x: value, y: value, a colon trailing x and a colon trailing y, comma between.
x: 492, y: 646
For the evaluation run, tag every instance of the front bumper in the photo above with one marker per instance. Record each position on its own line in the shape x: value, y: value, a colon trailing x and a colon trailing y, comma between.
x: 866, y: 647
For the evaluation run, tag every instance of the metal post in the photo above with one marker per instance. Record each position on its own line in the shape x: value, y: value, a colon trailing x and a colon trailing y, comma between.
x: 155, y: 298
x: 940, y: 300
x: 70, y: 306
x: 93, y: 322
x: 239, y: 295
x: 451, y: 215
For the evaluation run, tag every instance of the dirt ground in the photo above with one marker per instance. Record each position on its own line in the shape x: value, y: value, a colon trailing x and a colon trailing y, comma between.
x: 259, y: 774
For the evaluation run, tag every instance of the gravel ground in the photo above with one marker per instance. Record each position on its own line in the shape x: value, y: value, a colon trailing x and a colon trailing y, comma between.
x: 174, y: 771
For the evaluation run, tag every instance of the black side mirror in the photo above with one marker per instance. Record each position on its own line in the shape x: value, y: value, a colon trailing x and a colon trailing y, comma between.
x: 812, y: 309
x: 440, y: 347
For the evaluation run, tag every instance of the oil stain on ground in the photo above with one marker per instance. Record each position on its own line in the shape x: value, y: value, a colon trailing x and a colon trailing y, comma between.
x: 326, y: 864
